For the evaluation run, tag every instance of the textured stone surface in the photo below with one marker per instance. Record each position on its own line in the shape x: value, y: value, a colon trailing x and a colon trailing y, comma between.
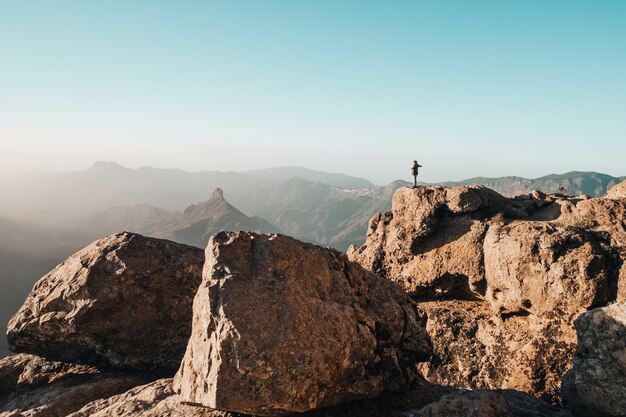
x: 430, y: 240
x: 125, y: 300
x: 537, y: 268
x: 596, y: 386
x: 500, y: 279
x: 35, y: 387
x: 475, y: 349
x: 281, y: 326
x: 11, y: 368
x: 24, y: 370
x: 156, y: 399
x: 618, y: 191
x: 489, y: 404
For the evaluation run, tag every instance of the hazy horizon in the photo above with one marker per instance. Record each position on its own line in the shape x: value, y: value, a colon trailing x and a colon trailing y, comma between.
x: 363, y: 88
x: 405, y: 178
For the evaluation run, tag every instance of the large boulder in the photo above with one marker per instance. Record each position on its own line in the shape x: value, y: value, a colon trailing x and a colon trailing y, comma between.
x: 281, y: 326
x: 596, y: 386
x: 125, y: 300
x: 500, y: 279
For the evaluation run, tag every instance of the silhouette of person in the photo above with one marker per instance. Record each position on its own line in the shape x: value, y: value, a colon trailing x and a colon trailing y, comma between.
x: 414, y: 172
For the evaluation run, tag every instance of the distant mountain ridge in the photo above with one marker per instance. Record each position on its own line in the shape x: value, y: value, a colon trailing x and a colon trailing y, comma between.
x: 335, y: 179
x: 62, y: 197
x: 593, y: 184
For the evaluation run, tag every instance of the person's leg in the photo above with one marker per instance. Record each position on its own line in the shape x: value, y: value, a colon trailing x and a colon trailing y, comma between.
x: 415, y: 180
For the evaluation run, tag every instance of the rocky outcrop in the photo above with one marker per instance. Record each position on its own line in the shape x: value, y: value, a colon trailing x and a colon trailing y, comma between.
x: 35, y: 387
x: 473, y: 348
x: 501, y: 280
x: 538, y: 268
x: 123, y: 301
x: 24, y: 370
x: 281, y: 326
x: 156, y: 399
x: 78, y: 392
x: 489, y: 404
x: 617, y: 192
x: 596, y: 386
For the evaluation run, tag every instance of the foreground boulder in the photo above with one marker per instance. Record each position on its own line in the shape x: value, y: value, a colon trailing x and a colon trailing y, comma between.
x: 500, y: 279
x: 36, y: 387
x: 156, y: 399
x: 125, y: 300
x: 281, y: 326
x: 596, y: 386
x: 23, y: 370
x: 489, y: 404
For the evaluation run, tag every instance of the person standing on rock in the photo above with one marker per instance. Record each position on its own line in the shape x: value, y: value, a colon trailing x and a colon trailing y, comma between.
x: 414, y: 171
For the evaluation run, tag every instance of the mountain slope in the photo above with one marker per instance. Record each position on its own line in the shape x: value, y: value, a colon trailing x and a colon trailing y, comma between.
x: 195, y: 225
x: 320, y: 213
x: 140, y: 218
x: 281, y: 174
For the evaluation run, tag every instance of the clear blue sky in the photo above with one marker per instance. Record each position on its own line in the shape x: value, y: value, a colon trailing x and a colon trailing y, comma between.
x: 468, y: 88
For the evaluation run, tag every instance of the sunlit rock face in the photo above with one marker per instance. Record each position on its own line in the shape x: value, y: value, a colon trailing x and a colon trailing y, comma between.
x: 281, y: 326
x: 123, y: 301
x: 501, y: 279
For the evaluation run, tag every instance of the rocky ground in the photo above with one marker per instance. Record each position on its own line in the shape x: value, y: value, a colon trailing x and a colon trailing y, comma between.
x: 461, y: 302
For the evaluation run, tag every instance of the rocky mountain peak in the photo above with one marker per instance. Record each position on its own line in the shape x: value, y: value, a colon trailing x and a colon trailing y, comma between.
x: 199, y: 221
x: 217, y: 194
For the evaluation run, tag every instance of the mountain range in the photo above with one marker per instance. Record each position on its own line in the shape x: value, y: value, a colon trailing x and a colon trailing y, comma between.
x: 46, y: 217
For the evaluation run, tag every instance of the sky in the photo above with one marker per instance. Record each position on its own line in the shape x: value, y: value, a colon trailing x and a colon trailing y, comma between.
x: 468, y: 88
